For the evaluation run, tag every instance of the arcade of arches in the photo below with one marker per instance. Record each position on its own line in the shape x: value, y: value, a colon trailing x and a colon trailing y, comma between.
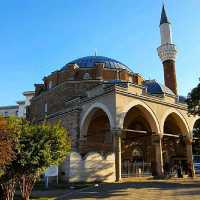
x: 139, y: 150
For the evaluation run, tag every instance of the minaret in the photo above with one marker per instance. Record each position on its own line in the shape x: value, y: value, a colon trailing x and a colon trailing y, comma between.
x: 167, y: 52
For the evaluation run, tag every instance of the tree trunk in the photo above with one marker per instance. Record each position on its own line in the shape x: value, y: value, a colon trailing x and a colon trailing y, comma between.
x: 8, y: 189
x: 1, y: 193
x: 26, y: 183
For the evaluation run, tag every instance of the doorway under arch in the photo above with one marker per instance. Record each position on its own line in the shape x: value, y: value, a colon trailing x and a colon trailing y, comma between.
x: 137, y: 152
x: 174, y: 144
x: 97, y: 137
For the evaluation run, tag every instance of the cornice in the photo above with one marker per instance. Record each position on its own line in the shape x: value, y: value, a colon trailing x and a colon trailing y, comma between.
x: 159, y: 100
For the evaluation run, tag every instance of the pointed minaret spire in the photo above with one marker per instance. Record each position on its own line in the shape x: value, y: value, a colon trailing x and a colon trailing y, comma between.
x: 164, y: 18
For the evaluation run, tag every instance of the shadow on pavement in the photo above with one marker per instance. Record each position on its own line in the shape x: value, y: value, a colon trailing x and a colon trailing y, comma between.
x: 107, y: 190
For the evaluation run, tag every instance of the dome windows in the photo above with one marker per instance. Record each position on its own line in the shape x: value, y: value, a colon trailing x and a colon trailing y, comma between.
x: 86, y: 76
x: 50, y: 84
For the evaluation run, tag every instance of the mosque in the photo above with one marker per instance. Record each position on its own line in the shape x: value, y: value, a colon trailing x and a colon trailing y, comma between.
x: 120, y: 124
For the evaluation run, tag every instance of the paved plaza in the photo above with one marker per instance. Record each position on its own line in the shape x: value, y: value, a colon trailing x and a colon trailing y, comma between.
x: 185, y: 189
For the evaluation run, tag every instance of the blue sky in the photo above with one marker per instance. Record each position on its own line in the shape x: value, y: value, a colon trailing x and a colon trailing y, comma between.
x: 38, y: 37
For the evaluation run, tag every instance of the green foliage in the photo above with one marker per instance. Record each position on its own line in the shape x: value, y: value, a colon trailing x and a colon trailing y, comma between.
x: 6, y: 150
x: 12, y: 127
x: 42, y: 146
x: 36, y: 147
x: 193, y: 101
x: 196, y: 135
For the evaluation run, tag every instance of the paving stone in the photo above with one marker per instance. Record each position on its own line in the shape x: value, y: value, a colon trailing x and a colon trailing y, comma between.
x: 184, y: 189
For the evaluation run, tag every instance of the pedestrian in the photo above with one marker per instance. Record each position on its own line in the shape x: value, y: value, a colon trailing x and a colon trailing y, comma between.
x: 190, y: 169
x: 179, y: 171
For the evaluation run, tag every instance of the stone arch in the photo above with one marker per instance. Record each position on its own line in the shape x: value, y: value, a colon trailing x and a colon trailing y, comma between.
x: 137, y: 148
x: 95, y: 130
x: 175, y: 149
x: 146, y: 110
x: 181, y: 121
x: 88, y: 114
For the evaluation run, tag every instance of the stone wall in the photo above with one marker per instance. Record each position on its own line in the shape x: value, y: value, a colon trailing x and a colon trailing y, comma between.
x: 70, y: 121
x: 92, y: 167
x: 96, y: 72
x: 55, y: 98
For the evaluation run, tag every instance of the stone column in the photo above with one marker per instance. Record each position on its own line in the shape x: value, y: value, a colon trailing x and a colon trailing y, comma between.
x: 117, y: 150
x: 158, y: 162
x: 191, y: 171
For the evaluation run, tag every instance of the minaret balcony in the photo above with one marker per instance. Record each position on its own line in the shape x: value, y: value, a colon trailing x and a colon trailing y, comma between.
x: 167, y: 52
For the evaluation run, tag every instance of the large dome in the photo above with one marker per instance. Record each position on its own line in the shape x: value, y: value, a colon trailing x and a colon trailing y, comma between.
x: 89, y: 62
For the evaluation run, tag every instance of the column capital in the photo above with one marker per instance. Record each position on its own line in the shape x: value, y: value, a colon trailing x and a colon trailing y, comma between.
x: 189, y: 141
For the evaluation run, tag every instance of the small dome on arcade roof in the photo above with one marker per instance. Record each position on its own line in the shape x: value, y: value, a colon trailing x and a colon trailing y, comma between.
x: 153, y: 87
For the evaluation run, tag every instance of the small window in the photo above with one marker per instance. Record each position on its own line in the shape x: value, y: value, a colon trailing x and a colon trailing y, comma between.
x: 50, y: 84
x: 6, y: 114
x: 86, y: 76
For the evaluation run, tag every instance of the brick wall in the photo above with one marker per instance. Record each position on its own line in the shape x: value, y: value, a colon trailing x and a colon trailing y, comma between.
x: 70, y: 121
x: 55, y: 98
x: 170, y: 75
x: 95, y: 73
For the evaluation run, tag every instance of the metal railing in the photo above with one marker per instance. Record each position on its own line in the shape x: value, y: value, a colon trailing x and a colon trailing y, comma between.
x: 196, y: 161
x: 136, y: 169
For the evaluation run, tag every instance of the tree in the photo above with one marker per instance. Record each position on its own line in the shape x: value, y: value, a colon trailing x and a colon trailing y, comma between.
x: 196, y: 137
x: 6, y: 152
x: 41, y: 146
x: 193, y: 102
x: 37, y: 148
x: 6, y: 147
x: 9, y: 133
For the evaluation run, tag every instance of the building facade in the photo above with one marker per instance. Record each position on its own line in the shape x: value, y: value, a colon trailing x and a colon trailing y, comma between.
x: 9, y: 110
x: 22, y: 105
x: 18, y: 110
x: 120, y: 124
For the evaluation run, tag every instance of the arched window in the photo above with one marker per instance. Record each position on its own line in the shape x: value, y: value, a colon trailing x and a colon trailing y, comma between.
x: 86, y: 76
x: 50, y: 84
